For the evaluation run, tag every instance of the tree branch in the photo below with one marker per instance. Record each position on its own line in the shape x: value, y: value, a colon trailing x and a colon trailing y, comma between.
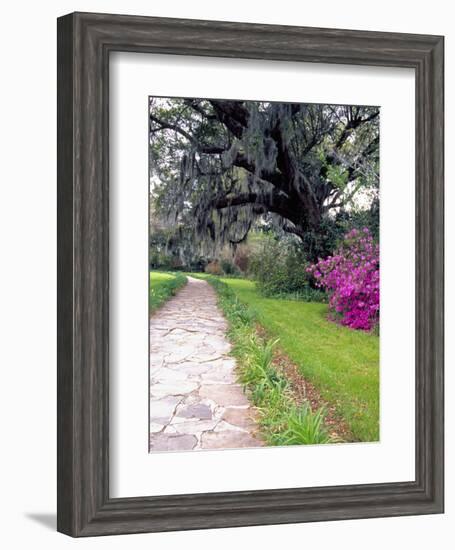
x: 233, y: 114
x: 169, y: 126
x: 208, y: 149
x: 353, y: 123
x: 245, y: 235
x: 196, y: 107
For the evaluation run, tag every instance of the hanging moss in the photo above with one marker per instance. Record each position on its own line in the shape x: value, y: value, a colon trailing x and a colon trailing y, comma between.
x: 205, y: 153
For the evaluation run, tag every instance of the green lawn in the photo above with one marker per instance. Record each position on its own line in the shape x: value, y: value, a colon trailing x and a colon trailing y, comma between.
x: 163, y: 286
x: 342, y: 363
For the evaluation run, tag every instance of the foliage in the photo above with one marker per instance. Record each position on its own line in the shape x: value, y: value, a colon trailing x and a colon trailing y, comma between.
x: 369, y: 218
x: 245, y: 252
x: 281, y: 420
x: 163, y: 286
x: 279, y: 267
x: 228, y: 267
x: 341, y: 363
x: 172, y: 248
x: 223, y: 165
x: 351, y: 276
x: 331, y: 232
x: 303, y: 427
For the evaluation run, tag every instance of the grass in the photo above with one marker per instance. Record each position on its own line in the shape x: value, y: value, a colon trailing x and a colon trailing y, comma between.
x: 282, y: 422
x: 163, y: 286
x: 343, y: 364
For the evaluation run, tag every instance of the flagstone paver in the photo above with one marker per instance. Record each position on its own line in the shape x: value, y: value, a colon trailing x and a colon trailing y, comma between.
x: 195, y: 399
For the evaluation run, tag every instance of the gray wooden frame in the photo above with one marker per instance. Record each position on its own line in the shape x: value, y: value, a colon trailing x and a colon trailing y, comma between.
x: 84, y: 43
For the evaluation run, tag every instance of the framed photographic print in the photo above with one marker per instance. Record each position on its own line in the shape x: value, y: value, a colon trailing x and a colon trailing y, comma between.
x: 250, y: 284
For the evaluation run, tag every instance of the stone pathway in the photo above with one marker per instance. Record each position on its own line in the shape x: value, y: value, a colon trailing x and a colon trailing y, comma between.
x: 195, y: 400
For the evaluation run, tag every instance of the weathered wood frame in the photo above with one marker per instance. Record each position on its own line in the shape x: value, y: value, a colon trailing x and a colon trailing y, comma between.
x: 84, y: 43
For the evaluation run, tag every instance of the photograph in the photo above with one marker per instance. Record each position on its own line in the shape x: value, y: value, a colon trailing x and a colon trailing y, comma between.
x: 264, y: 273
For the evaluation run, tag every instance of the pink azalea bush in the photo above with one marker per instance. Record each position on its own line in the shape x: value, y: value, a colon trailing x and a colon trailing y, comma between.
x: 351, y: 278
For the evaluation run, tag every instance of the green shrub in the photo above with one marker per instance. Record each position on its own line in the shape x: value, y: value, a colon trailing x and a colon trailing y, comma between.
x: 279, y: 268
x: 228, y: 267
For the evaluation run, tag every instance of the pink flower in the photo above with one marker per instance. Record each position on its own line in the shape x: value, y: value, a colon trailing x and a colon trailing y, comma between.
x: 351, y: 277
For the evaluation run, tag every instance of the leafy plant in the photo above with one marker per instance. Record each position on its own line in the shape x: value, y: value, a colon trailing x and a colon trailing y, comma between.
x: 228, y: 267
x: 279, y: 267
x: 304, y: 427
x: 351, y: 276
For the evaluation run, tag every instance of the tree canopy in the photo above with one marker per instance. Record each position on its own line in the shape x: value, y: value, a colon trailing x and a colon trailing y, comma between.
x: 219, y: 166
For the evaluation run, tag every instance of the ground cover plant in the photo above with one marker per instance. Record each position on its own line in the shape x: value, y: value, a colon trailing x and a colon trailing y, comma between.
x: 162, y: 287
